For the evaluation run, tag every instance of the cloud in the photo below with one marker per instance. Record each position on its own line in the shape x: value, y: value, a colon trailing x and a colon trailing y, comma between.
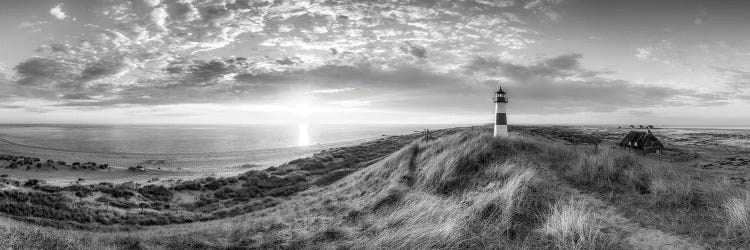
x: 378, y: 48
x: 76, y: 96
x: 42, y: 70
x: 152, y: 3
x: 415, y: 50
x: 664, y: 52
x: 738, y: 80
x: 331, y: 91
x: 104, y: 68
x: 286, y: 61
x: 159, y: 17
x: 548, y: 86
x: 33, y: 26
x: 559, y: 84
x: 58, y: 12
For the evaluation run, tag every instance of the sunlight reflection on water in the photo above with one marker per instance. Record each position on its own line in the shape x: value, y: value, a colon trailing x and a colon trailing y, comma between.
x: 303, y: 138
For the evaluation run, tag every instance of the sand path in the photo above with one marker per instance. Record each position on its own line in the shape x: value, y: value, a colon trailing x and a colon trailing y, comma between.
x: 633, y: 233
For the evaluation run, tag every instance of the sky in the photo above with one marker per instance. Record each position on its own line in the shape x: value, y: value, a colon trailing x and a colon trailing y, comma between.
x: 663, y: 62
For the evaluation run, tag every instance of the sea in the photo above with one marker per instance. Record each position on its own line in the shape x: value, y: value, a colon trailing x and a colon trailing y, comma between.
x: 172, y: 139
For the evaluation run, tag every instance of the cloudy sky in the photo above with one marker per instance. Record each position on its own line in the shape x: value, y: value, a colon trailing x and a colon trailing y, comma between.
x: 237, y: 61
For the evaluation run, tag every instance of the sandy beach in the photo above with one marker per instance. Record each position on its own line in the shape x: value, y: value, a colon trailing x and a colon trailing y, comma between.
x: 160, y: 167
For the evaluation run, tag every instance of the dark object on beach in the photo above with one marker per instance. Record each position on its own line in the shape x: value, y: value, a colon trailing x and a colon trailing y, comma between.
x: 89, y: 165
x: 644, y: 141
x: 3, y: 175
x: 33, y: 183
x: 137, y: 168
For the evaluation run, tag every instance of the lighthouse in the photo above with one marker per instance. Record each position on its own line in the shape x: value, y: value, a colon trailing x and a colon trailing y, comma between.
x: 501, y: 121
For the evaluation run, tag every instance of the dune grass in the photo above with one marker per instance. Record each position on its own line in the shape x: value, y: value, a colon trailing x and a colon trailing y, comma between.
x: 737, y: 211
x: 573, y: 225
x: 661, y: 195
x: 466, y: 190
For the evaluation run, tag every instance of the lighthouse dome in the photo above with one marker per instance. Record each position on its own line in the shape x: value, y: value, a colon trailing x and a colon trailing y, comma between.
x: 500, y: 96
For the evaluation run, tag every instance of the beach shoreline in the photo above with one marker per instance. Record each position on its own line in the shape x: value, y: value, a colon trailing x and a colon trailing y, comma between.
x: 168, y: 167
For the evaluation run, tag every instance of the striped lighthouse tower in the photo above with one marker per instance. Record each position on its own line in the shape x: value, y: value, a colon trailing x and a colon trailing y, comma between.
x: 501, y: 121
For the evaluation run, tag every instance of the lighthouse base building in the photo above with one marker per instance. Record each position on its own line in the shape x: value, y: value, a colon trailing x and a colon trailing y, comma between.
x: 501, y: 120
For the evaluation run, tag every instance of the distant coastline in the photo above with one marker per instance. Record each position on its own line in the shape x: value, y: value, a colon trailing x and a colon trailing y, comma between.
x: 188, y: 139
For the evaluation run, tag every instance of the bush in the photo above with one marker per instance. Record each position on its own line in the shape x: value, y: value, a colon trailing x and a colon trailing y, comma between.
x: 118, y: 192
x: 188, y: 185
x: 156, y: 193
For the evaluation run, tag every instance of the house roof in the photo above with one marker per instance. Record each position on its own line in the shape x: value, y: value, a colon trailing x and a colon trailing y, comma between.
x: 640, y: 139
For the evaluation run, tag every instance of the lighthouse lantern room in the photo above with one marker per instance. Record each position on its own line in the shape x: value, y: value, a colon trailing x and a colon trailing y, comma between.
x: 501, y: 121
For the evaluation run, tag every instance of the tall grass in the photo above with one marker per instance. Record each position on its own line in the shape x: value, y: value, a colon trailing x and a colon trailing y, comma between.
x: 660, y: 194
x: 609, y: 169
x: 468, y: 191
x: 573, y: 225
x: 737, y: 210
x: 622, y: 171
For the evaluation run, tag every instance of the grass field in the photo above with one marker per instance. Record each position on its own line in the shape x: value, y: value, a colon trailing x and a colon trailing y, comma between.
x: 465, y: 190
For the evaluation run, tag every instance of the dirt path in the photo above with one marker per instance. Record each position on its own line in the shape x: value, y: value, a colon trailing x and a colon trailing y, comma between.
x: 633, y: 233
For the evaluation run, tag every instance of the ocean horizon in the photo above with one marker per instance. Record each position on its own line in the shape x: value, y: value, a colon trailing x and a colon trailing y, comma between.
x: 174, y: 139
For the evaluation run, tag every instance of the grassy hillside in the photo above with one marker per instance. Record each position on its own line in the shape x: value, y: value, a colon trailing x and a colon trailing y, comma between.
x: 128, y: 206
x: 465, y: 190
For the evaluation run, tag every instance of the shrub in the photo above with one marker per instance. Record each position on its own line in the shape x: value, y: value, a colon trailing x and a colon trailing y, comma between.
x: 188, y: 185
x: 156, y: 193
x: 118, y: 192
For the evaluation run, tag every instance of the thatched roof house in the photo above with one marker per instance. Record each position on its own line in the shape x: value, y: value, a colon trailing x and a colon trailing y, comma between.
x: 645, y: 141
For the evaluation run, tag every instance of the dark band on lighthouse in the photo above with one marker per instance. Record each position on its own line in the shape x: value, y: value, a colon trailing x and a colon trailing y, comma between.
x: 500, y: 119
